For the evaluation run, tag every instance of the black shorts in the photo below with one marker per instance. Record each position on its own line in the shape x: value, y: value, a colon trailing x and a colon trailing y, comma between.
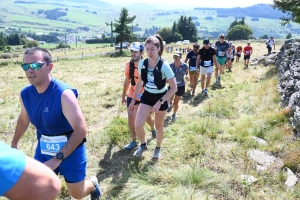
x: 128, y: 99
x: 238, y: 55
x: 232, y: 59
x: 151, y: 99
x: 246, y: 57
x: 180, y: 91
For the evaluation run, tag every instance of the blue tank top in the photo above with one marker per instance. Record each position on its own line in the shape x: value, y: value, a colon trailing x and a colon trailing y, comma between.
x: 44, y: 110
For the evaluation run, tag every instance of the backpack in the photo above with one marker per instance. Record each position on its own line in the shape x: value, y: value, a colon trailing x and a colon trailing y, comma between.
x: 131, y: 72
x: 158, y: 81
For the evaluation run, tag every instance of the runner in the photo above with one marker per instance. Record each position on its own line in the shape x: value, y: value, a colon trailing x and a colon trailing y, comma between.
x: 221, y: 53
x: 238, y: 53
x: 22, y: 177
x: 230, y: 57
x: 131, y: 74
x: 247, y: 53
x: 52, y: 107
x: 191, y: 57
x: 180, y: 69
x: 270, y: 44
x: 153, y: 74
x: 207, y: 55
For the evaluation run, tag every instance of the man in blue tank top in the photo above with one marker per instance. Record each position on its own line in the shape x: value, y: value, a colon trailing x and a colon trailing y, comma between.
x: 52, y: 107
x: 22, y: 177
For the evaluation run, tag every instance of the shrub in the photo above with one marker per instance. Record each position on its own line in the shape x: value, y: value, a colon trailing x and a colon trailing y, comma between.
x: 62, y: 45
x: 5, y: 56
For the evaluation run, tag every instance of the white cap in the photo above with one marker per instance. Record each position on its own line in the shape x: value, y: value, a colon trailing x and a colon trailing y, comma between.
x: 136, y: 46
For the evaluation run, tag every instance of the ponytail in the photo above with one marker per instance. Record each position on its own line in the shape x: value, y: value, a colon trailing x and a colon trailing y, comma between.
x: 161, y: 44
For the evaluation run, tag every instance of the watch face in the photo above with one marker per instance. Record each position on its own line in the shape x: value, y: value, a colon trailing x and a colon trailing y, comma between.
x: 161, y: 100
x: 59, y: 156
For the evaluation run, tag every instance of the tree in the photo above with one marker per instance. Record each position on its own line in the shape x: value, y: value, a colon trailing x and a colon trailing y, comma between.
x: 168, y: 35
x: 187, y: 28
x: 289, y: 36
x: 30, y: 44
x: 264, y: 37
x: 122, y: 27
x: 239, y: 32
x: 291, y: 7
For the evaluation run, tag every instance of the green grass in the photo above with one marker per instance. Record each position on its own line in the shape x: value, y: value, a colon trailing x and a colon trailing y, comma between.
x: 204, y: 152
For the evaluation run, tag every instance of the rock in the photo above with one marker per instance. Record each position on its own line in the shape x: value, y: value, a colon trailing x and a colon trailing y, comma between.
x: 249, y: 179
x: 1, y: 101
x: 288, y: 67
x: 291, y: 178
x: 264, y: 160
x: 259, y: 140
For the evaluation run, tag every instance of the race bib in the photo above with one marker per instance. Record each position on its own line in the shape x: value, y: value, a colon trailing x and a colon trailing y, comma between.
x: 247, y: 52
x: 150, y: 83
x: 238, y: 53
x: 52, y: 145
x: 207, y: 63
x: 140, y: 95
x: 192, y: 68
x: 221, y: 53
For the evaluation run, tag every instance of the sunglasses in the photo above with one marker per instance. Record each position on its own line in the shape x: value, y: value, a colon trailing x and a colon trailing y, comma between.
x: 33, y: 66
x: 176, y: 57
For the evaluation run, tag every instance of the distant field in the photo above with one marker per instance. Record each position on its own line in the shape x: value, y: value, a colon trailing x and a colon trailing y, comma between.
x: 19, y: 16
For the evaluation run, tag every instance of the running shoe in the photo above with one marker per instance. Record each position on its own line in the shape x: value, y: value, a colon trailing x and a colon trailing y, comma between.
x: 138, y: 153
x: 153, y: 133
x: 173, y: 116
x: 169, y: 109
x: 219, y: 78
x: 131, y: 145
x: 156, y: 154
x: 96, y: 194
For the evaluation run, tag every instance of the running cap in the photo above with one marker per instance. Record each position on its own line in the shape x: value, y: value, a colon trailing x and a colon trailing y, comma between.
x: 206, y: 41
x: 136, y: 46
x: 177, y: 53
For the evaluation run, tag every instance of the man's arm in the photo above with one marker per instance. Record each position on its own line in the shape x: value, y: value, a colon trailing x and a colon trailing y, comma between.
x: 22, y: 125
x: 36, y: 182
x: 73, y: 114
x: 214, y: 60
x: 197, y: 61
x: 125, y: 89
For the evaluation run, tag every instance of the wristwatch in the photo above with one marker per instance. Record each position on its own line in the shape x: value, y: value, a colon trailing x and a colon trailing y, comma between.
x: 161, y: 100
x: 60, y: 156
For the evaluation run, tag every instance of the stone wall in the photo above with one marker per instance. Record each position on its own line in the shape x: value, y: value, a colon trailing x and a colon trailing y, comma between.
x: 288, y: 67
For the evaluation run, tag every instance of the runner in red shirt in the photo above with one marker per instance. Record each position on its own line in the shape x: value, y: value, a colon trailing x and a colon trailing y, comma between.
x: 247, y: 53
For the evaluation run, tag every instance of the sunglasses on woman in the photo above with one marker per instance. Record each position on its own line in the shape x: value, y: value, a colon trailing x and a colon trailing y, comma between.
x: 33, y: 66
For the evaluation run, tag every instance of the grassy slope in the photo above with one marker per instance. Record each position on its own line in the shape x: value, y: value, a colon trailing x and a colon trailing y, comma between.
x: 204, y: 150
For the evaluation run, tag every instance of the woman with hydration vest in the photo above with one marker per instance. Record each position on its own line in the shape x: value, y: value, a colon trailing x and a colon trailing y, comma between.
x: 153, y: 74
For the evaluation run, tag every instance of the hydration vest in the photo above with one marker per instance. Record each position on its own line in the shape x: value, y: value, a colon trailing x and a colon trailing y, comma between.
x: 158, y: 81
x: 131, y: 72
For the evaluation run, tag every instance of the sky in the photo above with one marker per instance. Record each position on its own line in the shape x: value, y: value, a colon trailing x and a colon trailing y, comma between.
x: 171, y: 4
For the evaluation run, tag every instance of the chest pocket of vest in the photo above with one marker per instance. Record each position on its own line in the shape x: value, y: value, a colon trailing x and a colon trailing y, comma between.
x: 158, y: 81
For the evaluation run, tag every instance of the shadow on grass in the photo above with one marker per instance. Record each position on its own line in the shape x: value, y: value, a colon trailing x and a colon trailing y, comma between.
x: 118, y: 166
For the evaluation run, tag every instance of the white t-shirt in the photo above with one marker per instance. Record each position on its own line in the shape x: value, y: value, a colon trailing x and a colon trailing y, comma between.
x: 270, y: 43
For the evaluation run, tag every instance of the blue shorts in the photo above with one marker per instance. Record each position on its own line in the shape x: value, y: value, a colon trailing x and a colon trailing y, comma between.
x: 12, y: 165
x: 73, y: 168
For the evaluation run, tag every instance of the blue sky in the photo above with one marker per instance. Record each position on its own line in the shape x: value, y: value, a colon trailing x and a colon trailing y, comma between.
x: 171, y: 4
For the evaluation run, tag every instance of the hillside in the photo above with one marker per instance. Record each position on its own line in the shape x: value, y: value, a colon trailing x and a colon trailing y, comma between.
x: 205, y: 151
x: 67, y: 15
